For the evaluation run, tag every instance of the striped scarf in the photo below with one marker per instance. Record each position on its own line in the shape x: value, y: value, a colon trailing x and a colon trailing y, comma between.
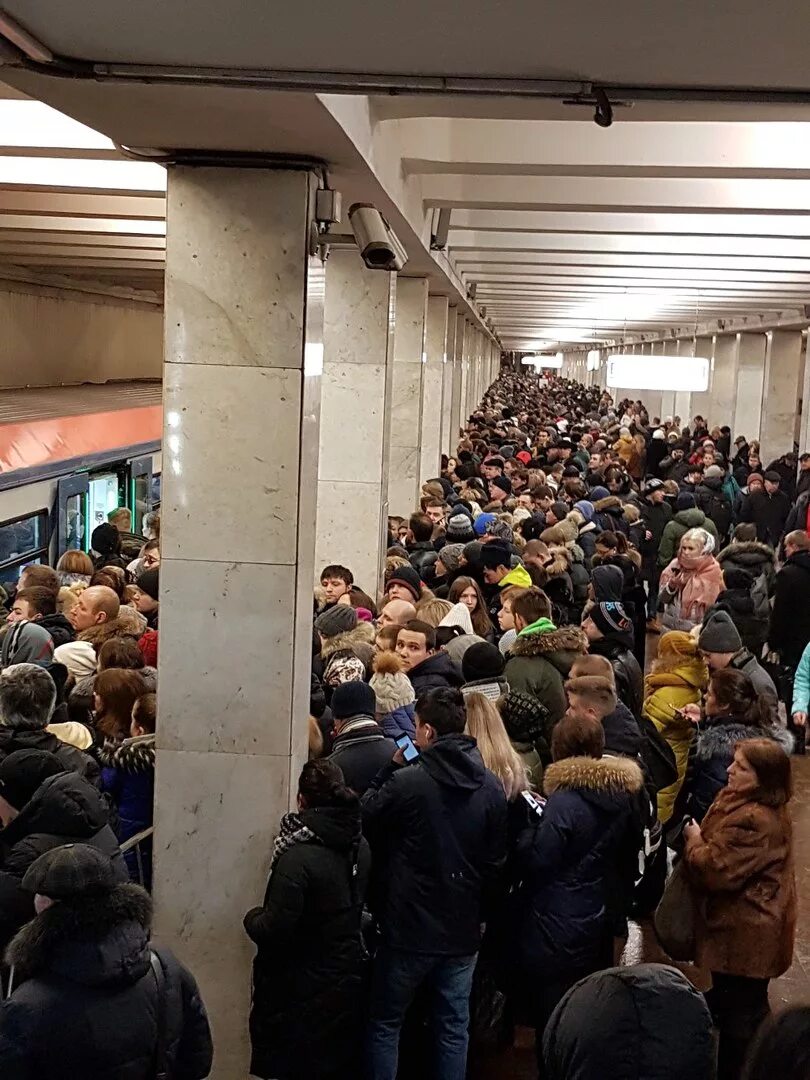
x: 292, y: 831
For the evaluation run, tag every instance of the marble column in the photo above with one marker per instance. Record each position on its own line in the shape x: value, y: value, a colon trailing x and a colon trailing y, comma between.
x: 804, y: 419
x: 702, y: 399
x: 683, y: 398
x: 432, y: 382
x: 241, y: 395
x: 458, y: 378
x: 406, y: 406
x: 668, y: 349
x: 464, y: 390
x: 750, y: 383
x: 359, y: 314
x: 448, y: 368
x: 782, y: 387
x: 723, y: 398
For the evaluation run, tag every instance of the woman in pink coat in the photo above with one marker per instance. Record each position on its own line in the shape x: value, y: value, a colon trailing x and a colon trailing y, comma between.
x: 691, y: 583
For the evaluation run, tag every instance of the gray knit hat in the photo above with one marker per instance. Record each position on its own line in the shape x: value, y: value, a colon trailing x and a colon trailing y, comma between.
x: 336, y: 620
x: 719, y: 634
x: 390, y: 683
x: 450, y: 557
x: 502, y: 530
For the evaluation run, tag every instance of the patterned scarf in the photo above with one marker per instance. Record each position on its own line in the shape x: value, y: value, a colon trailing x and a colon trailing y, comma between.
x: 292, y: 831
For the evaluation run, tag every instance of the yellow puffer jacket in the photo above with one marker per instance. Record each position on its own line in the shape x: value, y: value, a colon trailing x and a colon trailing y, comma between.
x: 664, y: 692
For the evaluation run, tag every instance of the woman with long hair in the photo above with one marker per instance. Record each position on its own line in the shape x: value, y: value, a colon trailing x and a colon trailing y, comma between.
x: 75, y: 566
x: 115, y: 692
x: 692, y: 581
x: 740, y: 865
x: 467, y: 591
x: 485, y: 725
x: 306, y: 1019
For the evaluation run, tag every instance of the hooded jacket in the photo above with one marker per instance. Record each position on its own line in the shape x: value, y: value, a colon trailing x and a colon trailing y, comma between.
x: 749, y: 616
x: 645, y: 1022
x: 655, y: 517
x: 437, y: 830
x: 609, y: 515
x: 665, y: 692
x: 576, y: 865
x: 715, y: 504
x: 71, y: 759
x: 128, y: 777
x: 361, y: 750
x: 789, y: 631
x: 86, y: 998
x: 308, y: 975
x: 434, y: 673
x: 540, y: 660
x: 693, y: 518
x: 64, y: 809
x: 741, y: 872
x: 768, y: 512
x: 58, y: 627
x: 755, y: 558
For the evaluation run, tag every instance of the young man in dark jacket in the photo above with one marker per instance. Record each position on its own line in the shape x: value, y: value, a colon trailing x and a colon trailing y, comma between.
x: 360, y: 748
x: 610, y: 634
x: 655, y: 515
x: 713, y: 501
x: 421, y: 550
x: 425, y: 667
x: 437, y: 830
x: 768, y: 510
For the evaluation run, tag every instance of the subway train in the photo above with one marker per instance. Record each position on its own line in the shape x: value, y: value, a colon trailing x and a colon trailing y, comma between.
x: 68, y: 456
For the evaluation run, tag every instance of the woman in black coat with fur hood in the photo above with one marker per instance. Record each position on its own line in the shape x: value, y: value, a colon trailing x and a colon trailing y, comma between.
x: 86, y: 1000
x: 309, y: 975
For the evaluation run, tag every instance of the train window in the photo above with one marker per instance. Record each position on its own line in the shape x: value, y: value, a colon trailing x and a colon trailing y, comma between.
x: 103, y: 498
x: 23, y: 540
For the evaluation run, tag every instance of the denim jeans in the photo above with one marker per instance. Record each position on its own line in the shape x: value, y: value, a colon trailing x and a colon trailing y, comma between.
x: 397, y: 977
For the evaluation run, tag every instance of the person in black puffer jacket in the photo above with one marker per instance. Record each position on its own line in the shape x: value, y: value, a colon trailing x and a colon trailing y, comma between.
x: 360, y: 747
x: 749, y: 611
x: 42, y: 807
x: 713, y: 501
x: 610, y: 634
x: 652, y: 1008
x: 86, y: 999
x: 306, y: 1019
x: 422, y: 553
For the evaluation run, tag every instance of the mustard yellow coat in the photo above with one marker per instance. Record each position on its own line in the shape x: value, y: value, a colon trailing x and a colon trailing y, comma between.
x: 664, y: 692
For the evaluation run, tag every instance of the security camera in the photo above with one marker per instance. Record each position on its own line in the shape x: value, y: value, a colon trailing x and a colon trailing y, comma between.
x: 379, y: 245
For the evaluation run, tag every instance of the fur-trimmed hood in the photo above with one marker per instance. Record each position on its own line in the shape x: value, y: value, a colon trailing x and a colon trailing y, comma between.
x: 128, y: 623
x: 721, y: 735
x: 95, y: 941
x: 612, y: 504
x: 559, y: 562
x: 747, y: 553
x: 605, y: 776
x: 362, y: 635
x: 560, y: 647
x: 131, y: 756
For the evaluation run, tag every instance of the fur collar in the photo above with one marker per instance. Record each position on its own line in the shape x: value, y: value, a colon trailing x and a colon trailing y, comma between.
x: 362, y: 634
x: 559, y: 562
x: 607, y: 775
x: 721, y: 738
x: 566, y: 639
x: 612, y: 502
x: 747, y: 547
x: 130, y: 623
x: 131, y: 756
x: 92, y: 919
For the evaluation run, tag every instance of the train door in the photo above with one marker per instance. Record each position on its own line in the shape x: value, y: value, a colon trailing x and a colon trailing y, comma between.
x: 140, y: 490
x: 71, y: 513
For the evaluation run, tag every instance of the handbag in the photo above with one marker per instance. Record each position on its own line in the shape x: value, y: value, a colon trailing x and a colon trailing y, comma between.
x: 160, y: 1062
x: 674, y: 919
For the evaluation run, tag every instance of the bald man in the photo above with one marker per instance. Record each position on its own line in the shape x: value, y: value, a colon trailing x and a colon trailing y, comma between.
x: 98, y: 604
x: 396, y: 611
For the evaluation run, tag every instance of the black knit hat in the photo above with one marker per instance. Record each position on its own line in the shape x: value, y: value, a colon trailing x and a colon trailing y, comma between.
x: 524, y: 717
x: 149, y: 582
x: 407, y: 576
x: 339, y: 619
x: 483, y: 661
x: 353, y: 699
x: 70, y: 871
x: 22, y: 773
x: 610, y: 617
x: 502, y: 482
x: 495, y: 554
x: 106, y: 539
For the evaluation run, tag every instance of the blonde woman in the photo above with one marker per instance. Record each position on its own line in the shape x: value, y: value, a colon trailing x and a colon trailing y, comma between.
x: 485, y: 725
x: 433, y: 610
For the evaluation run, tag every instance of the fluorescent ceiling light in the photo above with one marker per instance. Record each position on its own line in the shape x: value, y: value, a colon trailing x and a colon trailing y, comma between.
x: 33, y: 123
x: 550, y: 361
x: 630, y: 372
x: 83, y: 173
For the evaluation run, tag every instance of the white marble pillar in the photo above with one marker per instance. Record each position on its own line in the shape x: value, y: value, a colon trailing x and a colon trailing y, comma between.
x: 432, y: 381
x: 406, y: 402
x: 782, y: 385
x: 448, y: 370
x: 683, y: 398
x: 804, y: 419
x: 750, y: 385
x: 723, y: 398
x: 475, y: 369
x: 464, y: 386
x: 241, y: 395
x: 702, y: 399
x: 359, y: 317
x: 668, y: 349
x: 456, y: 407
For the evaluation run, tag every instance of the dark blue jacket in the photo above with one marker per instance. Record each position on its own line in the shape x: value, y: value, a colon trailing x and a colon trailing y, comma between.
x: 399, y: 722
x: 128, y: 777
x: 437, y: 830
x: 576, y: 866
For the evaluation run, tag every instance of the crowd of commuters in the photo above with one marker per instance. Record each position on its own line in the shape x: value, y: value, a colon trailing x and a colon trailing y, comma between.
x: 571, y: 703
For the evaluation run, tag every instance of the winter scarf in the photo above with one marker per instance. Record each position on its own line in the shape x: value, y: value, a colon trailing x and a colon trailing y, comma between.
x: 292, y: 831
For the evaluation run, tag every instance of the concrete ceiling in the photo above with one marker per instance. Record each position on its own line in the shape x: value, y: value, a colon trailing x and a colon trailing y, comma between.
x: 688, y: 211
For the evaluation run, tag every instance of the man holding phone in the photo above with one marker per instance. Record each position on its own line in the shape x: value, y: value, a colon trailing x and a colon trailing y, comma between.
x: 438, y: 826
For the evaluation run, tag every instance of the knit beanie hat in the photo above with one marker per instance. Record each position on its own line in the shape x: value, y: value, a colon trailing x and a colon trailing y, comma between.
x: 450, y: 556
x: 339, y: 619
x: 149, y: 582
x: 390, y: 684
x: 608, y: 583
x: 482, y: 523
x: 459, y: 528
x: 714, y: 472
x: 585, y: 508
x: 598, y: 493
x: 407, y: 576
x: 69, y: 871
x: 610, y: 617
x: 524, y: 456
x: 458, y: 615
x: 677, y: 643
x: 502, y: 530
x: 524, y: 717
x: 483, y: 661
x: 719, y: 634
x: 502, y: 482
x: 495, y: 554
x: 22, y: 772
x: 353, y: 699
x: 756, y: 478
x: 106, y: 539
x: 79, y: 657
x: 684, y: 500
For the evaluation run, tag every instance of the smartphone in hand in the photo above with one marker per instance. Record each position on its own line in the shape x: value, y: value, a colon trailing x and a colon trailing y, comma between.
x: 408, y: 748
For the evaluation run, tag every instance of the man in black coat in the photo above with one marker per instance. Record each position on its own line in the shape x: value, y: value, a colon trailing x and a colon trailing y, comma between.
x: 609, y: 631
x: 425, y: 667
x: 655, y: 513
x: 768, y: 510
x: 43, y: 807
x: 360, y: 748
x: 713, y: 501
x: 437, y: 830
x: 789, y: 631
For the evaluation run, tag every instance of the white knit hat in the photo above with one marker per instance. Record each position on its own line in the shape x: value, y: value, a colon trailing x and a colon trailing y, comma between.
x: 459, y: 615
